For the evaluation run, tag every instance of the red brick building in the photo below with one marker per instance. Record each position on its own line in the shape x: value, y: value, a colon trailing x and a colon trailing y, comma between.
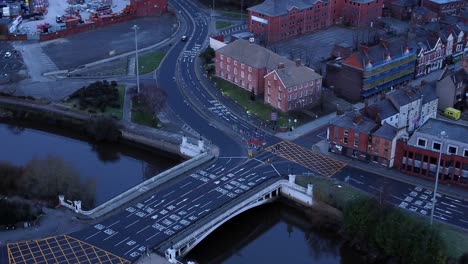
x: 419, y: 155
x: 245, y: 64
x: 361, y: 13
x: 450, y: 7
x: 276, y: 20
x: 286, y: 85
x: 292, y: 88
x: 149, y: 7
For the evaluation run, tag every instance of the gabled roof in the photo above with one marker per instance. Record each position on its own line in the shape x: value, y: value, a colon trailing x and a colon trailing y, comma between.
x: 455, y: 76
x: 348, y: 120
x: 281, y: 7
x: 377, y: 53
x: 253, y: 55
x: 291, y: 76
x: 386, y: 131
x: 385, y: 108
x: 410, y: 94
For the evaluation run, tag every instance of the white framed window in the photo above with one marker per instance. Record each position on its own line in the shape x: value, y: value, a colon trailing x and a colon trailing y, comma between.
x: 274, y: 77
x: 279, y: 105
x: 451, y: 149
x: 421, y: 142
x: 221, y: 65
x: 250, y: 69
x: 222, y: 74
x: 269, y: 83
x: 242, y: 74
x: 229, y: 68
x: 295, y: 88
x: 305, y: 92
x: 235, y: 70
x: 249, y: 77
x: 465, y: 153
x: 289, y: 97
x: 279, y: 97
x: 235, y: 62
x: 289, y: 90
x: 268, y: 99
x: 242, y: 66
x: 221, y: 56
x: 436, y: 145
x: 306, y: 85
x: 228, y: 59
x: 269, y: 90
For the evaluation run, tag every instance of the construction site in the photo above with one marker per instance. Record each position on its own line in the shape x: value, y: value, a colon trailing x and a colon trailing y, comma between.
x: 38, y: 19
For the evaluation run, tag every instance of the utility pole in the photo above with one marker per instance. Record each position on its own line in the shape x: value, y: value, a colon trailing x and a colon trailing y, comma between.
x: 442, y: 135
x: 135, y: 28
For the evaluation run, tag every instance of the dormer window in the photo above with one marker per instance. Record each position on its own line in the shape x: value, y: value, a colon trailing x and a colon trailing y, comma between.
x: 369, y: 64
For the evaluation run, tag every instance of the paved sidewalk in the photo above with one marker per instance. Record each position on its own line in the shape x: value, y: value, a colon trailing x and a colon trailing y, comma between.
x: 454, y: 191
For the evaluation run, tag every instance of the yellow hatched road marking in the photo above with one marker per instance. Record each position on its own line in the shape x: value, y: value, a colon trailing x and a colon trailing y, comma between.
x: 63, y: 253
x: 71, y: 248
x: 82, y: 248
x: 32, y: 253
x: 50, y: 248
x: 122, y: 260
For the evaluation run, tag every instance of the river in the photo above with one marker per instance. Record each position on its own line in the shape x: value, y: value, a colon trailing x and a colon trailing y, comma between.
x: 115, y: 168
x: 273, y: 233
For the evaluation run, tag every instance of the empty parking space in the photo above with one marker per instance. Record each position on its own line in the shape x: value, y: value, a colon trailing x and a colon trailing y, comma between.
x: 60, y: 249
x: 312, y: 160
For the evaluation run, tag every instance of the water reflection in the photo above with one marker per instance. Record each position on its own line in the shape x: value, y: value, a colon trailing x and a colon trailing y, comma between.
x: 114, y: 167
x: 273, y: 233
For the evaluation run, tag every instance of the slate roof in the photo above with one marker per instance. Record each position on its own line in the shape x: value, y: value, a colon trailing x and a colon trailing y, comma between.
x: 386, y: 108
x: 404, y: 3
x: 422, y: 10
x: 294, y: 75
x: 253, y: 55
x: 454, y: 131
x: 376, y: 54
x: 455, y: 76
x: 385, y: 131
x: 347, y: 121
x: 281, y: 7
x: 410, y: 94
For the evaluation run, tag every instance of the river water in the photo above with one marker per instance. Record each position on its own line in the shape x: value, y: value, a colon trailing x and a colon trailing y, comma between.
x: 115, y: 168
x: 273, y: 233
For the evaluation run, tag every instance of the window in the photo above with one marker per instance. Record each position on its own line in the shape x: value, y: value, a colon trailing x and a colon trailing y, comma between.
x: 465, y: 153
x: 229, y: 68
x: 436, y: 146
x: 356, y: 140
x: 221, y: 65
x: 235, y: 63
x: 250, y: 69
x: 242, y: 66
x: 249, y: 77
x: 242, y: 74
x: 452, y: 149
x: 269, y: 90
x: 221, y: 56
x: 421, y: 142
x: 235, y: 70
x: 279, y: 104
x: 228, y: 59
x: 274, y: 77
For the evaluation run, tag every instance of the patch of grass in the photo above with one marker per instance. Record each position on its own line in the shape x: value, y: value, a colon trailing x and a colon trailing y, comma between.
x: 111, y: 111
x: 150, y: 61
x: 257, y: 108
x: 142, y: 118
x: 455, y: 239
x: 222, y: 24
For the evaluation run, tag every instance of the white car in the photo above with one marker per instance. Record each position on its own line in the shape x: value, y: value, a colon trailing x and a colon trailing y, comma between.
x: 7, y: 54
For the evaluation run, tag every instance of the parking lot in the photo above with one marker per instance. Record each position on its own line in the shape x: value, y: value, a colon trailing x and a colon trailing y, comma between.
x: 10, y: 60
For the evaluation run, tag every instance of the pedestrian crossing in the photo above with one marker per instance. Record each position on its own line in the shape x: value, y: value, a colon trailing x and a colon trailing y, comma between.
x: 317, y: 162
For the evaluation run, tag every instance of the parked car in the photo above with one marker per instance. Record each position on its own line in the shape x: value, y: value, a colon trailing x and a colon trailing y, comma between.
x: 7, y: 54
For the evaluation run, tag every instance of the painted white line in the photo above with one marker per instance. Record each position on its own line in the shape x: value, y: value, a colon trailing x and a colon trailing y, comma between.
x: 152, y: 236
x: 463, y: 221
x: 186, y: 193
x: 92, y: 235
x: 131, y: 250
x: 141, y: 230
x: 206, y: 204
x: 168, y: 193
x: 182, y: 201
x: 186, y: 184
x: 275, y: 169
x: 110, y: 236
x: 121, y: 242
x: 136, y: 221
x: 114, y: 223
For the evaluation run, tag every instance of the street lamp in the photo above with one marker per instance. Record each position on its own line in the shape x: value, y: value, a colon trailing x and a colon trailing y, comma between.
x: 135, y: 28
x: 295, y: 123
x: 442, y: 134
x: 289, y: 124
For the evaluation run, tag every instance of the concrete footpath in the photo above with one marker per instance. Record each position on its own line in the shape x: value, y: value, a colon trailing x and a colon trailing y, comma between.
x: 322, y: 147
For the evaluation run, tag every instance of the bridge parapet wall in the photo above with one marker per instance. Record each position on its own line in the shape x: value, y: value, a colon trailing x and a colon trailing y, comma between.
x: 265, y: 193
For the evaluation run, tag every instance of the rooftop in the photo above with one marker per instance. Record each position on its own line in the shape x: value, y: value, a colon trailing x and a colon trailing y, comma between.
x: 291, y: 76
x: 385, y: 108
x: 355, y: 121
x: 385, y: 131
x: 410, y: 94
x: 254, y: 55
x: 445, y: 1
x: 281, y: 7
x: 454, y: 131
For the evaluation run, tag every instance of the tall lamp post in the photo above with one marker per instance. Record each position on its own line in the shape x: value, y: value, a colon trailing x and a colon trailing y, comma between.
x: 442, y: 134
x: 135, y: 28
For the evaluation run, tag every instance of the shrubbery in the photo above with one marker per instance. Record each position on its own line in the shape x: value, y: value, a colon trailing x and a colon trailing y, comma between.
x: 99, y: 95
x: 398, y: 236
x: 103, y: 128
x: 12, y: 212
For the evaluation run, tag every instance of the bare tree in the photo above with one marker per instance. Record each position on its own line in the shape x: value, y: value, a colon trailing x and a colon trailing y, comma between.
x: 152, y: 98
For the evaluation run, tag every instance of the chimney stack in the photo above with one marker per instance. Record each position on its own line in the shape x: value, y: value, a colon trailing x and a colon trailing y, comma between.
x: 280, y: 65
x: 298, y: 62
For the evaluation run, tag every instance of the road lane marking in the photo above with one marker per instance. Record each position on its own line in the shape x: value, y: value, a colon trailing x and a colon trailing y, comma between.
x: 136, y: 221
x: 110, y: 236
x: 121, y: 242
x: 186, y: 184
x: 186, y: 193
x: 152, y: 236
x: 141, y: 230
x: 182, y: 201
x: 114, y: 223
x: 131, y: 250
x: 92, y: 235
x: 206, y: 204
x: 168, y: 193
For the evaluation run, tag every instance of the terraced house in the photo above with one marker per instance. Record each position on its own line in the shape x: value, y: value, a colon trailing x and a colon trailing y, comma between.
x: 372, y: 70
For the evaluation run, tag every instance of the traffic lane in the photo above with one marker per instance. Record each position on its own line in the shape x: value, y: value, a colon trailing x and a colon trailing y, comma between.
x: 116, y: 233
x: 313, y: 137
x: 409, y: 197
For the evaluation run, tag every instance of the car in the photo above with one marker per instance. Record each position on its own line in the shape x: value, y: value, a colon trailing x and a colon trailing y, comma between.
x: 184, y: 38
x: 7, y: 54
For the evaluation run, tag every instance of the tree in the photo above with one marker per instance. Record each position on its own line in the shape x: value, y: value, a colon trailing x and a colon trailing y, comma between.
x: 103, y: 128
x: 9, y: 175
x: 152, y: 99
x: 207, y: 55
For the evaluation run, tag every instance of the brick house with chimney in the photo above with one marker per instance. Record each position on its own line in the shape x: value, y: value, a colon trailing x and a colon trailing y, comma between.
x: 292, y: 88
x: 285, y: 85
x: 372, y: 70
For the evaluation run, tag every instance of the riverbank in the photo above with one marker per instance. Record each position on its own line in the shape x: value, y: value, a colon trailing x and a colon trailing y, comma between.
x: 332, y: 194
